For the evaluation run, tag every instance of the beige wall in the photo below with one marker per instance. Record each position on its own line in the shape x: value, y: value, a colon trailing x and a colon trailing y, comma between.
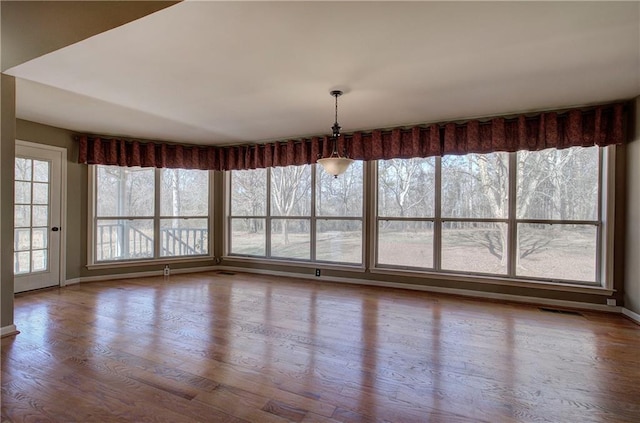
x: 7, y: 156
x: 632, y: 239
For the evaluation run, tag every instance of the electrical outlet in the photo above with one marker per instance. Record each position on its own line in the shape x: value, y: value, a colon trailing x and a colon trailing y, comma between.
x: 167, y: 270
x: 318, y: 272
x: 611, y: 302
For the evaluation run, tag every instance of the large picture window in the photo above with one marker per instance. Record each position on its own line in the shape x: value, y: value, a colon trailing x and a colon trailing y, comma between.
x: 297, y: 213
x: 145, y: 213
x: 531, y: 215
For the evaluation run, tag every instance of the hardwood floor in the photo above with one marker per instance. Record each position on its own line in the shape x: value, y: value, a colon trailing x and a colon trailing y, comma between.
x: 234, y: 348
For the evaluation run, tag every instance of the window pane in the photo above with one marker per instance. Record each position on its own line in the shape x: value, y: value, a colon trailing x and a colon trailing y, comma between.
x: 124, y: 239
x: 124, y: 191
x: 39, y: 237
x: 475, y: 185
x: 40, y: 171
x: 23, y: 169
x: 406, y: 187
x: 23, y: 193
x: 558, y: 184
x: 40, y: 216
x: 291, y: 191
x: 38, y: 260
x: 40, y: 193
x: 339, y: 240
x: 474, y: 247
x: 405, y: 243
x: 557, y: 251
x: 22, y: 239
x: 248, y: 237
x: 184, y: 192
x: 183, y: 237
x: 249, y: 192
x: 290, y: 238
x: 21, y: 262
x: 341, y: 196
x: 22, y: 216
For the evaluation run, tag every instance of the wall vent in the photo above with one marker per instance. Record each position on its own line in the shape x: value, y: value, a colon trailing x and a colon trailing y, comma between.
x: 560, y: 311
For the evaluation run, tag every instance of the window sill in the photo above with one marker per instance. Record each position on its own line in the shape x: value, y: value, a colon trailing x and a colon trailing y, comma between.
x: 292, y: 263
x: 150, y: 262
x: 491, y: 280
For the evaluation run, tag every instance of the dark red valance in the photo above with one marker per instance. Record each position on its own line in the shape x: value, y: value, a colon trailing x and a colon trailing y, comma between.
x: 601, y: 125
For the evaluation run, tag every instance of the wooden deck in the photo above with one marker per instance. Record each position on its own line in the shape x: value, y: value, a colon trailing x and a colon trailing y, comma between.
x: 210, y: 347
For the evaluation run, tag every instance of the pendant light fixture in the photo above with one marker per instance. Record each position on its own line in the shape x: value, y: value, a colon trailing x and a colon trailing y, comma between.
x: 335, y: 164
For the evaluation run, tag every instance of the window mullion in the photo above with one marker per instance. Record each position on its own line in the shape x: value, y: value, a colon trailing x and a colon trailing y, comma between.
x: 437, y: 224
x: 267, y: 219
x: 512, y: 225
x: 312, y: 218
x: 156, y: 214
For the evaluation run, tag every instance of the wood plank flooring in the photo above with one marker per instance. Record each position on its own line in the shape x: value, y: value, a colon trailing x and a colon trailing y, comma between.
x: 211, y: 347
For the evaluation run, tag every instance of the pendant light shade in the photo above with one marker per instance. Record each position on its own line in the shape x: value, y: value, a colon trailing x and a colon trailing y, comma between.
x: 335, y: 164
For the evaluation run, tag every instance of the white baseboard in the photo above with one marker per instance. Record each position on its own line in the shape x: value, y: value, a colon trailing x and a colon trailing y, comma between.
x: 631, y: 315
x: 8, y: 331
x: 145, y: 274
x: 436, y: 289
x: 71, y: 282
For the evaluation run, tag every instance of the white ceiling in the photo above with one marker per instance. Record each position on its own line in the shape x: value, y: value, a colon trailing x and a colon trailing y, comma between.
x: 235, y: 72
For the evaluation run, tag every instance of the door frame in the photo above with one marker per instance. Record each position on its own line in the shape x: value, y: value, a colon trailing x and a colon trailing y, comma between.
x: 62, y: 266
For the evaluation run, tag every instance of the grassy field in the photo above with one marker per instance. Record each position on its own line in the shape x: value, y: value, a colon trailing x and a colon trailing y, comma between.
x: 561, y: 253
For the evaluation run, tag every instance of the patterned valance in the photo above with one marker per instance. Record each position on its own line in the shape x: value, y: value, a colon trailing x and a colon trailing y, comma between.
x: 598, y: 125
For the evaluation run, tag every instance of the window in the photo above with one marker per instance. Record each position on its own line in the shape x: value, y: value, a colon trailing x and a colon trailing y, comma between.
x: 297, y: 213
x: 531, y: 215
x: 143, y: 213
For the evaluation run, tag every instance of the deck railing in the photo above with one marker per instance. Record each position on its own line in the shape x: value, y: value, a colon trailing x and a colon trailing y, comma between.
x: 117, y: 241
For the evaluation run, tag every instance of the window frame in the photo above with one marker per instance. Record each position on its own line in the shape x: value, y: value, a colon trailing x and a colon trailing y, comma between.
x: 604, y: 232
x: 312, y: 218
x: 93, y: 263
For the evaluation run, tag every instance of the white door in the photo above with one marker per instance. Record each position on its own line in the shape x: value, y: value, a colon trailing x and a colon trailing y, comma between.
x: 37, y: 216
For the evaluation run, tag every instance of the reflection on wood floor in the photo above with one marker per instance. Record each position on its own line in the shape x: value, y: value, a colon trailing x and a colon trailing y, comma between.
x: 210, y: 347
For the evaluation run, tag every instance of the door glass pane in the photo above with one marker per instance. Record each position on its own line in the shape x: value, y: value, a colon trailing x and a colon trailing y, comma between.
x: 21, y: 262
x: 40, y: 193
x: 39, y: 238
x: 557, y: 251
x: 248, y: 237
x: 40, y: 171
x: 22, y: 239
x: 40, y: 216
x: 23, y: 169
x: 22, y: 216
x: 339, y: 240
x: 476, y: 247
x: 291, y: 238
x: 23, y: 192
x: 405, y: 243
x: 38, y: 260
